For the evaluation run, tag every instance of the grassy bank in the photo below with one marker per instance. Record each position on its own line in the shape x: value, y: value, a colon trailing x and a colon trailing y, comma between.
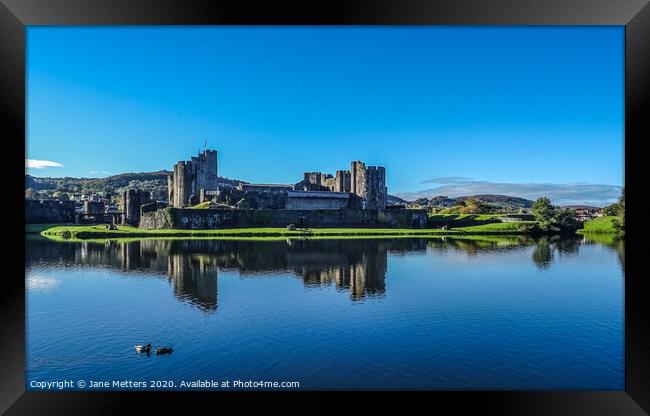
x: 500, y: 227
x: 601, y: 225
x: 461, y: 220
x: 94, y: 232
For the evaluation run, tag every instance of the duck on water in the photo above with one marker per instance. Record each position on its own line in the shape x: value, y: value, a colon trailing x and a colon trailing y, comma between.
x: 159, y: 351
x: 143, y: 348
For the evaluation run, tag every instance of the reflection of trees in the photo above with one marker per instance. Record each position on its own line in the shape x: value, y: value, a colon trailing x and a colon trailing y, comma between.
x: 567, y: 245
x: 480, y: 244
x: 543, y: 253
x: 545, y: 248
x: 620, y: 250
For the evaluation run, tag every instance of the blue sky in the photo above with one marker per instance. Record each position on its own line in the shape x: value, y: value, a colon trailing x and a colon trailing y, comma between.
x: 447, y: 110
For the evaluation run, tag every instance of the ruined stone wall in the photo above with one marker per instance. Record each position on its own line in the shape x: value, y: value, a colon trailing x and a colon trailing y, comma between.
x: 151, y: 206
x: 49, y: 211
x: 316, y: 203
x: 342, y: 182
x: 93, y: 207
x: 313, y: 181
x: 266, y: 199
x: 227, y: 194
x: 329, y: 182
x: 204, y: 219
x: 132, y: 201
x: 308, y: 186
x: 313, y: 177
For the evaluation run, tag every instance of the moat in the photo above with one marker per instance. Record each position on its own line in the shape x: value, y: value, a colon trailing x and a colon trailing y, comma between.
x: 408, y: 313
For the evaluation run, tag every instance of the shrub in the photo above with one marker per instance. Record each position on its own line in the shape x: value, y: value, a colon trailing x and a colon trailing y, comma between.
x: 528, y: 227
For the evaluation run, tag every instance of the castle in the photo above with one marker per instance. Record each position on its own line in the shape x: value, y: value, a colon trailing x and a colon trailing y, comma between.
x: 197, y: 180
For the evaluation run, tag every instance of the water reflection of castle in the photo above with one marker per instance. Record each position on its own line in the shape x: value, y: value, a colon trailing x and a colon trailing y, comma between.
x: 357, y: 266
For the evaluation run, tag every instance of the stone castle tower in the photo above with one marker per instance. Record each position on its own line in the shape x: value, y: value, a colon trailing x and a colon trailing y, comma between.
x: 369, y: 183
x: 190, y: 177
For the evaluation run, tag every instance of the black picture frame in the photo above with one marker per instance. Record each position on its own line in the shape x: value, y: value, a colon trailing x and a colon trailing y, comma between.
x: 15, y: 15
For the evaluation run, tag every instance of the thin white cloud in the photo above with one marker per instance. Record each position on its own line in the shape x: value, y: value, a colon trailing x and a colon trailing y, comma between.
x: 578, y: 193
x: 41, y: 164
x: 99, y: 172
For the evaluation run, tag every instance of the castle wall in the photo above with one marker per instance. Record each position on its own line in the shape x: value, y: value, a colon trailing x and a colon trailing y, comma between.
x: 205, y: 219
x: 358, y: 178
x: 317, y: 200
x: 313, y: 181
x: 132, y: 201
x: 329, y: 182
x: 170, y: 189
x: 313, y: 177
x: 93, y: 207
x: 342, y: 181
x: 376, y: 191
x: 266, y: 199
x: 49, y: 212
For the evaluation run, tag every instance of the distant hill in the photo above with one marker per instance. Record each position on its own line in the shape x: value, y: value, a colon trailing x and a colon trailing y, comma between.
x: 496, y: 201
x: 393, y: 200
x: 155, y: 182
x: 501, y: 200
x: 574, y: 207
x: 109, y: 183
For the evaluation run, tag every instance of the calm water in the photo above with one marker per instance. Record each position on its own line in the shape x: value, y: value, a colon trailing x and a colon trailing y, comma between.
x: 492, y: 313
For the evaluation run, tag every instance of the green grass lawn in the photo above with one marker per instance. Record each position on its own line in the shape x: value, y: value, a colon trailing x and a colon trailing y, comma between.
x: 496, y: 227
x: 99, y: 232
x: 82, y: 232
x: 461, y: 220
x: 458, y: 217
x: 601, y: 225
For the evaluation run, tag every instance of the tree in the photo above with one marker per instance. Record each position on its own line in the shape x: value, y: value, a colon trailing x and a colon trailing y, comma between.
x: 617, y: 209
x: 544, y: 213
x: 551, y: 218
x: 619, y: 224
x: 611, y: 210
x: 474, y: 206
x: 566, y: 220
